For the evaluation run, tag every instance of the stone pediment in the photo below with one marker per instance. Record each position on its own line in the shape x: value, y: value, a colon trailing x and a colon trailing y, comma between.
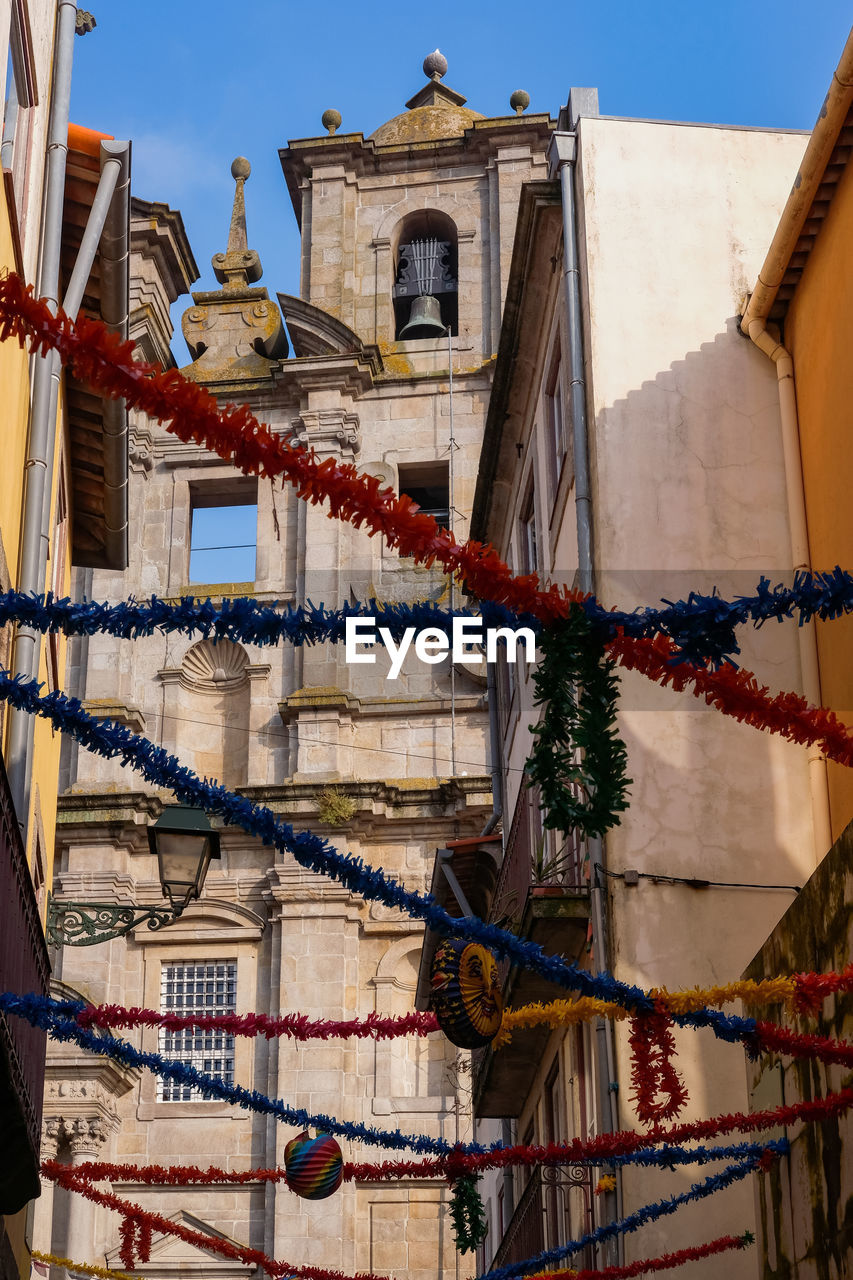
x: 313, y: 332
x: 208, y: 920
x: 172, y: 1256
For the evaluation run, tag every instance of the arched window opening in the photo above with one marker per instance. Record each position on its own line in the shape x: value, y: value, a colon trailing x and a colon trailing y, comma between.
x: 426, y: 276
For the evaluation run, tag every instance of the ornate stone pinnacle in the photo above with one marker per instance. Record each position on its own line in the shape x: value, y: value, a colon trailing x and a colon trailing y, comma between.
x: 239, y: 265
x: 435, y: 65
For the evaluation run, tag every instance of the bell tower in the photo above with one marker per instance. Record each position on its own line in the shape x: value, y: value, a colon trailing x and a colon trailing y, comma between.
x: 407, y: 238
x: 422, y: 209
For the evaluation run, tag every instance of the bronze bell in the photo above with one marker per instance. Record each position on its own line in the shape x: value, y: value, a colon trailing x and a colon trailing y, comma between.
x: 425, y: 319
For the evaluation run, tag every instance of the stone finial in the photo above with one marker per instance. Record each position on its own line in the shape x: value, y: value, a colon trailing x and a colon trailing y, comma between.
x: 331, y: 119
x: 519, y: 101
x: 435, y: 65
x: 84, y: 22
x: 239, y: 265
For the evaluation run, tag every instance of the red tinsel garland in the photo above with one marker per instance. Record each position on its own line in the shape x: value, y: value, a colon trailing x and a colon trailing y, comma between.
x: 295, y: 1025
x: 664, y: 1263
x: 737, y: 693
x: 192, y: 414
x: 658, y: 1090
x: 138, y: 1225
x: 813, y: 988
x: 785, y: 1041
x: 596, y: 1150
x: 235, y: 434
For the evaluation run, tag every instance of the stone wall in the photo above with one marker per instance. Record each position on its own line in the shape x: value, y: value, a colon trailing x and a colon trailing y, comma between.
x: 805, y: 1202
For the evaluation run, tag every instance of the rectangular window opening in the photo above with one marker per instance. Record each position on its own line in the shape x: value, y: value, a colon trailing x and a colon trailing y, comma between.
x: 529, y: 554
x: 203, y: 987
x: 223, y: 534
x: 428, y: 484
x: 19, y: 96
x: 555, y: 414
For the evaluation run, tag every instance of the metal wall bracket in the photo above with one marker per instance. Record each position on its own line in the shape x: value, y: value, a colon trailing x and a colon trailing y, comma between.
x: 83, y: 924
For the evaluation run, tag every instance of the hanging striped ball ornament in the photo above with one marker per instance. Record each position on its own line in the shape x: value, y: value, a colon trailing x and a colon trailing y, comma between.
x: 466, y: 993
x: 314, y: 1166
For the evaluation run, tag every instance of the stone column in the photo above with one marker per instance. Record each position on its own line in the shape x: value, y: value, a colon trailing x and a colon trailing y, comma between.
x: 86, y: 1138
x: 43, y: 1207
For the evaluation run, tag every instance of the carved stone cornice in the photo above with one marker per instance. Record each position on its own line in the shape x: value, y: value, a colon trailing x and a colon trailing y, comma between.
x: 328, y: 431
x: 80, y: 1098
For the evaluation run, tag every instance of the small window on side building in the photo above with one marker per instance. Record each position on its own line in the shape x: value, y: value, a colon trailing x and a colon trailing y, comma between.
x: 19, y: 96
x: 223, y: 533
x: 428, y: 484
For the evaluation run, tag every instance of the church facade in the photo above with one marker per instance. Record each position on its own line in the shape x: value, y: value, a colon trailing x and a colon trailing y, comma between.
x: 383, y: 360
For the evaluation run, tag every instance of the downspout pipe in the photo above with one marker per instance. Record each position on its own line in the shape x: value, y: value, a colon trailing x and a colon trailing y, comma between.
x: 562, y: 155
x: 115, y: 177
x: 42, y: 428
x: 115, y: 309
x: 495, y: 751
x: 754, y: 324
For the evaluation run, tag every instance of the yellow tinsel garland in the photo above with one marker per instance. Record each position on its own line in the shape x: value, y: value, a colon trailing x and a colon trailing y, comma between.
x: 567, y: 1013
x: 83, y: 1268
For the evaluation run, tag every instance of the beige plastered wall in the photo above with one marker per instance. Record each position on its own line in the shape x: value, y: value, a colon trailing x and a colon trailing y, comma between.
x: 688, y: 493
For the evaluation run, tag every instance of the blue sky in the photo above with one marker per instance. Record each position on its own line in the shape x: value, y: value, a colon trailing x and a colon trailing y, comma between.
x: 195, y: 82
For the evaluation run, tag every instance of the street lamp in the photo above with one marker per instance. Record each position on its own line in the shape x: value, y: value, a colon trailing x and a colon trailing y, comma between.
x: 183, y: 842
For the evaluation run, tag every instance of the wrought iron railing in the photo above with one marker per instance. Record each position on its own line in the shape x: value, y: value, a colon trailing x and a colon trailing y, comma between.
x: 525, y: 1233
x: 542, y: 1218
x: 545, y: 863
x: 24, y: 967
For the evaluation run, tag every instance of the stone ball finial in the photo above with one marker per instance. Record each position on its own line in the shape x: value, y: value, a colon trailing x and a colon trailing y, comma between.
x: 331, y: 119
x: 519, y: 101
x: 435, y: 65
x: 240, y: 168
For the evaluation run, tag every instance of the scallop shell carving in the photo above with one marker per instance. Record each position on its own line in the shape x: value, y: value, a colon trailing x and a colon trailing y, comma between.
x: 218, y: 667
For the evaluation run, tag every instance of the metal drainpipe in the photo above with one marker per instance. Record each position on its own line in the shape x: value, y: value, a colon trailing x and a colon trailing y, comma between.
x: 42, y: 429
x: 115, y: 175
x: 495, y: 751
x: 562, y: 152
x: 115, y: 166
x: 783, y: 363
x: 115, y: 309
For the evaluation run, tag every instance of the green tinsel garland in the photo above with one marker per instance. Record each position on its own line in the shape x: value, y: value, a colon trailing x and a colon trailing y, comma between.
x: 466, y: 1210
x: 576, y: 740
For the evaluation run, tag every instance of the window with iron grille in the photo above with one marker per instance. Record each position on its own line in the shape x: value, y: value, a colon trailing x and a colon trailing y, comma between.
x: 206, y: 987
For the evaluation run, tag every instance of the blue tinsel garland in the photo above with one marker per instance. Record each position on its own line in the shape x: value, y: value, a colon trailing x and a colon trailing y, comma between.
x: 242, y: 620
x: 315, y: 854
x: 50, y: 1016
x: 702, y: 627
x: 310, y: 851
x: 39, y: 1011
x: 699, y: 1190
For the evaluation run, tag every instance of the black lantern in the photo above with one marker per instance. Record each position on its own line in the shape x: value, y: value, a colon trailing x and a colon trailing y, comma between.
x: 183, y: 842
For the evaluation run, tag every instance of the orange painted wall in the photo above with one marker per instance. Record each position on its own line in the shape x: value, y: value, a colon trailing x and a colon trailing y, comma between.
x: 819, y: 335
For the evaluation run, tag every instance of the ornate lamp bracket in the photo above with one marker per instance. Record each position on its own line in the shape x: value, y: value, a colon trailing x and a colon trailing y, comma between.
x: 82, y: 924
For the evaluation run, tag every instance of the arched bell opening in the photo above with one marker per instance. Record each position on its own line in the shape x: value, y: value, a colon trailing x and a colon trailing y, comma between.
x: 426, y: 276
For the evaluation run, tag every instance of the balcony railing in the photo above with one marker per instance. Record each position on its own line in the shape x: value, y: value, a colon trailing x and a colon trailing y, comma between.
x: 543, y: 866
x: 543, y: 1218
x: 525, y: 1234
x: 542, y: 894
x: 24, y: 967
